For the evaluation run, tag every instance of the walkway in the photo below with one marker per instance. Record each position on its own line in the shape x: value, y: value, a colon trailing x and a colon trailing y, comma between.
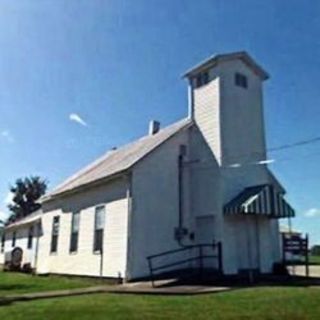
x: 130, y: 288
x: 168, y: 287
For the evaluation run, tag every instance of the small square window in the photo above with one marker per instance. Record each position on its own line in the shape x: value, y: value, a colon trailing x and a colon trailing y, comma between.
x: 199, y: 81
x: 241, y: 80
x: 205, y: 77
x: 202, y: 79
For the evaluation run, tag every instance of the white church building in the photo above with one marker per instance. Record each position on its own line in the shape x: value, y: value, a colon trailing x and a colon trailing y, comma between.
x: 202, y: 180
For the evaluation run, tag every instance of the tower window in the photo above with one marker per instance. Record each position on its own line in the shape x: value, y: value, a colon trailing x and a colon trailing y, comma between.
x: 241, y: 80
x: 202, y: 79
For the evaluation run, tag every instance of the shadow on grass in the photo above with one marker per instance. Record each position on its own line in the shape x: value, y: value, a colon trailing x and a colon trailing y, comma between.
x: 244, y: 282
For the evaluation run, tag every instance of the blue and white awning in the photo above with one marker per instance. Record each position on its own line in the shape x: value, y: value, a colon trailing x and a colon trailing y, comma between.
x: 262, y: 200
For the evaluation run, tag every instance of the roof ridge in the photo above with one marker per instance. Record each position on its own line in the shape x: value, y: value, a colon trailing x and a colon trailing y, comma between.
x: 91, y: 167
x: 214, y: 59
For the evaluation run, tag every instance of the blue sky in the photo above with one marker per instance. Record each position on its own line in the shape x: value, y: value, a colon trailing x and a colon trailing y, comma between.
x: 117, y: 64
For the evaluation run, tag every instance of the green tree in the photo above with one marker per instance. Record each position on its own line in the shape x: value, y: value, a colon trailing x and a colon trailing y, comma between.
x: 315, y: 250
x: 26, y: 192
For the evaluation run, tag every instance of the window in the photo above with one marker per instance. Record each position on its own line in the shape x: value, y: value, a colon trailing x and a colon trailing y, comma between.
x: 202, y: 79
x: 30, y: 237
x: 3, y: 239
x: 205, y: 77
x: 74, y: 231
x: 14, y: 237
x: 241, y: 80
x: 55, y: 234
x: 99, y: 219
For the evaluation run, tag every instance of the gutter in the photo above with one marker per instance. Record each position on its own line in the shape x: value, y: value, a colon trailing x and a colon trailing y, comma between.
x: 54, y: 196
x: 180, y: 231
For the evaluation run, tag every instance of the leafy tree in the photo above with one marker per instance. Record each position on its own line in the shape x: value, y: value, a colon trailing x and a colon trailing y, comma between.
x: 315, y: 250
x: 26, y: 192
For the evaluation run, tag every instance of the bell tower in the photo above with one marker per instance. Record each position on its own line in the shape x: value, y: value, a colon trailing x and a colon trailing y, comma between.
x: 226, y: 103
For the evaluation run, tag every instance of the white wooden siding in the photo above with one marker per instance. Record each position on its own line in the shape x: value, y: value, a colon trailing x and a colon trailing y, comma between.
x: 207, y: 113
x: 241, y: 115
x: 250, y: 242
x: 85, y: 261
x: 155, y: 205
x: 22, y: 233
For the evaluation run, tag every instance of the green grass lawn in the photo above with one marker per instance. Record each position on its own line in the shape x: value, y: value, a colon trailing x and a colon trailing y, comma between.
x: 257, y: 303
x: 315, y: 260
x: 14, y: 283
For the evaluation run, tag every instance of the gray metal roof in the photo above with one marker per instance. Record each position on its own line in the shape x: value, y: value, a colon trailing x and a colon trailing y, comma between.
x: 214, y: 60
x: 30, y: 219
x: 119, y: 160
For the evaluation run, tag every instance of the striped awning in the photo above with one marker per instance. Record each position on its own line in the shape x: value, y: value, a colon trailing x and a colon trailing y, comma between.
x: 262, y: 200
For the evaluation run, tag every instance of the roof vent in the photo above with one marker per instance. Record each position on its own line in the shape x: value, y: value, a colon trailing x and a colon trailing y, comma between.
x: 154, y: 127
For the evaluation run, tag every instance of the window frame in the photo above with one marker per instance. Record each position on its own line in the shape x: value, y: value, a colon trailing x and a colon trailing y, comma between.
x: 14, y: 239
x: 98, y: 234
x: 55, y: 235
x: 74, y: 234
x: 3, y: 242
x: 241, y: 80
x: 205, y: 78
x: 201, y: 79
x: 30, y: 237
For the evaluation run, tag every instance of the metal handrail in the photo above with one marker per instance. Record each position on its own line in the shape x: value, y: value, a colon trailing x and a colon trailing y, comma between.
x: 200, y: 257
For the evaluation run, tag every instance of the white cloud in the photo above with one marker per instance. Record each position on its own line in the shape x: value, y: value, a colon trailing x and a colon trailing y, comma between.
x: 267, y: 161
x: 313, y: 212
x: 235, y: 165
x: 76, y: 118
x: 6, y: 135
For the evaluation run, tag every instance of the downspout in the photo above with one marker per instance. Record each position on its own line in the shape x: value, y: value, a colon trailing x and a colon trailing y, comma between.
x: 180, y: 189
x: 129, y: 228
x: 180, y: 231
x: 190, y: 100
x: 101, y: 257
x: 102, y: 249
x: 38, y: 230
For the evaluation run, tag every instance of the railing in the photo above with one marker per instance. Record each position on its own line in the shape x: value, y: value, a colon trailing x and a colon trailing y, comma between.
x: 200, y: 256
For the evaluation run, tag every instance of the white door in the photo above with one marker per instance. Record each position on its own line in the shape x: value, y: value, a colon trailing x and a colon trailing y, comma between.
x: 248, y: 243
